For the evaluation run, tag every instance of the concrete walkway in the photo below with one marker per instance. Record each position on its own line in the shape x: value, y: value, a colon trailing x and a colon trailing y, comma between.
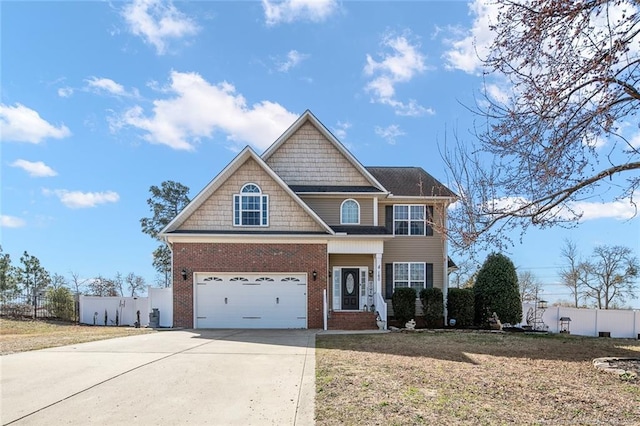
x: 219, y: 377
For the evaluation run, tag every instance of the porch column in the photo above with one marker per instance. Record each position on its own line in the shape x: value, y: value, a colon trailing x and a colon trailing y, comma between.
x: 377, y: 265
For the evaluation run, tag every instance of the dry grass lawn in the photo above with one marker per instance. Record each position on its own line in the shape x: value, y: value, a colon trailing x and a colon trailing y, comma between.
x: 27, y: 335
x: 450, y: 378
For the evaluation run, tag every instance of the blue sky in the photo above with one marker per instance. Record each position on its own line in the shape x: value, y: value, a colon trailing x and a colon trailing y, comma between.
x: 101, y: 100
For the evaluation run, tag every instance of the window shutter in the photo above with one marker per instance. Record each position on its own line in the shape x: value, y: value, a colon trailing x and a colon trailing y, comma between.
x: 236, y: 210
x: 388, y: 280
x: 429, y: 275
x: 388, y: 218
x: 429, y: 228
x: 265, y: 210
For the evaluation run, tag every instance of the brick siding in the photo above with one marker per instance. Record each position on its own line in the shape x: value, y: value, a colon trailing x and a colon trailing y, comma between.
x: 231, y: 257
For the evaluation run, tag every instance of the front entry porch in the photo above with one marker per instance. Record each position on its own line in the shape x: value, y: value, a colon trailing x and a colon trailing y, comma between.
x: 354, y: 299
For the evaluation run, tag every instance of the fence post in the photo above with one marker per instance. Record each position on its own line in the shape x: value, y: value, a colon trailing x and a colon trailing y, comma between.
x: 35, y: 303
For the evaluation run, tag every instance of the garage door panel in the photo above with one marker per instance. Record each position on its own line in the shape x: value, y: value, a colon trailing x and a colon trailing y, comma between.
x: 250, y: 301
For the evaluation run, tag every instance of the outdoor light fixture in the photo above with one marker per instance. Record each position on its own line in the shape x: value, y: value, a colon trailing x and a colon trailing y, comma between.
x: 564, y: 325
x: 314, y: 274
x: 371, y: 272
x: 184, y: 273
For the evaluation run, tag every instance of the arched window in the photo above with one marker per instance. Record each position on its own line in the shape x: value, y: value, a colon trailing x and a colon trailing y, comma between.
x: 250, y: 207
x: 350, y: 212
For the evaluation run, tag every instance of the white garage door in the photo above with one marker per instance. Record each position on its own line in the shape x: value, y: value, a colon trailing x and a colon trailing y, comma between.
x: 241, y: 300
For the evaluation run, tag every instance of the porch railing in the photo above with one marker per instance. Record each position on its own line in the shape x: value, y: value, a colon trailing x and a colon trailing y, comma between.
x: 381, y: 307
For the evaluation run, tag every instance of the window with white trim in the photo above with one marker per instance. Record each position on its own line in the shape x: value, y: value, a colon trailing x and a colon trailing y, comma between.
x: 250, y: 207
x: 409, y: 274
x: 412, y: 219
x: 350, y: 212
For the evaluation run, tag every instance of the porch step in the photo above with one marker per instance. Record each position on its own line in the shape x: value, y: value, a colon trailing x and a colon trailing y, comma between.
x: 356, y: 320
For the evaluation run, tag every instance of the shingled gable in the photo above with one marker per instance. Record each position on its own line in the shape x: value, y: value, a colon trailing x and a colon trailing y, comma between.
x: 245, y: 155
x: 310, y: 159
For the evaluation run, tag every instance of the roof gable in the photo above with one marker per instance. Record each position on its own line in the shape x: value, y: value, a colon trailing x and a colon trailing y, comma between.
x: 307, y: 154
x: 212, y: 209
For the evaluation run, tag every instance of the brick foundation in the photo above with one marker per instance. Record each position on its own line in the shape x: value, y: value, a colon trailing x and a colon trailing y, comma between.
x: 230, y: 257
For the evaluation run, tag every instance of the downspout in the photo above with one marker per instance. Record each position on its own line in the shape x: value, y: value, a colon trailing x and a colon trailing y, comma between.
x: 445, y: 275
x: 325, y: 313
x: 166, y: 241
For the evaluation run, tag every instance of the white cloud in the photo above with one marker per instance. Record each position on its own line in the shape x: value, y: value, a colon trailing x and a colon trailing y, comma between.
x: 288, y: 11
x: 79, y: 200
x: 401, y: 65
x: 65, y: 92
x: 21, y: 124
x: 587, y: 210
x: 389, y: 133
x: 158, y: 22
x: 340, y: 130
x: 198, y: 109
x: 34, y: 168
x: 7, y: 221
x: 594, y: 141
x: 106, y: 85
x: 635, y: 141
x: 294, y: 58
x: 471, y: 46
x: 408, y: 109
x: 498, y: 93
x: 619, y: 210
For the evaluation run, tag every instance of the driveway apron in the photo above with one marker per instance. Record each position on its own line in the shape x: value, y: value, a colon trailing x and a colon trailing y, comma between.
x: 218, y: 377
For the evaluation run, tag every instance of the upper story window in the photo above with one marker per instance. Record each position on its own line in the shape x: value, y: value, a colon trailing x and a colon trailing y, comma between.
x: 412, y: 219
x: 250, y: 207
x: 350, y: 212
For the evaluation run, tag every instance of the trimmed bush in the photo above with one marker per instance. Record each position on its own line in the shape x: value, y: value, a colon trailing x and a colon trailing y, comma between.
x: 496, y: 290
x: 432, y: 307
x: 60, y: 303
x: 460, y: 305
x: 404, y: 304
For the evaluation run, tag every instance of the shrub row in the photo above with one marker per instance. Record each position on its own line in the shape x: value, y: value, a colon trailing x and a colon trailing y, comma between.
x: 404, y: 305
x: 460, y: 305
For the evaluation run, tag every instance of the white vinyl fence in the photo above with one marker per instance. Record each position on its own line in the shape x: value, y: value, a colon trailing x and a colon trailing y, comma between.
x: 591, y: 322
x: 162, y: 299
x: 95, y: 309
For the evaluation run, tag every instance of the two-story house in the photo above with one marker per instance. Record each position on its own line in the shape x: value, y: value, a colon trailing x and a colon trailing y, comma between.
x: 304, y: 236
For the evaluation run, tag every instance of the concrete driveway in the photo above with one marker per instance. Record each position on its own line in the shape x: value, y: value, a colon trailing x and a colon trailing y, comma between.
x: 223, y: 377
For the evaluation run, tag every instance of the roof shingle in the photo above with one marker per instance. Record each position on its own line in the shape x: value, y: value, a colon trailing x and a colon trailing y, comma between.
x: 332, y: 188
x: 409, y: 181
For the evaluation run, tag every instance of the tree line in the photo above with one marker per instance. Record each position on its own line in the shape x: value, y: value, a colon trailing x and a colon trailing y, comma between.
x: 29, y: 277
x: 606, y: 279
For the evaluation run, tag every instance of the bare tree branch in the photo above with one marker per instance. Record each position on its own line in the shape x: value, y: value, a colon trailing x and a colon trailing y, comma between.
x: 571, y: 75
